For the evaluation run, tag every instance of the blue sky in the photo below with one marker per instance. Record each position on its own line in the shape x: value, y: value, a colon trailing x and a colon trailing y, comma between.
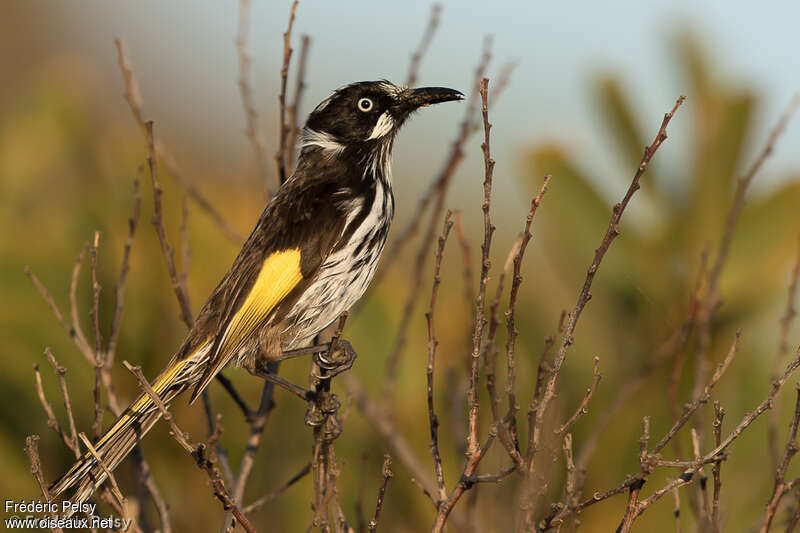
x: 186, y: 62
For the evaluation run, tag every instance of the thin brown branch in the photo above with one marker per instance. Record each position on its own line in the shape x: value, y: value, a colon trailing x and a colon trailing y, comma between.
x: 262, y: 501
x: 674, y: 345
x: 119, y: 293
x: 80, y: 343
x: 677, y: 510
x: 440, y: 184
x: 689, y: 474
x: 513, y: 408
x: 781, y: 487
x: 433, y: 421
x: 52, y: 421
x: 703, y: 398
x: 466, y: 260
x: 567, y: 338
x: 94, y: 314
x: 490, y: 358
x: 32, y: 450
x: 474, y: 451
x: 283, y: 131
x: 61, y: 373
x: 197, y: 452
x: 115, y: 490
x: 252, y: 130
x: 480, y: 320
x: 719, y: 414
x: 783, y: 351
x: 583, y: 407
x: 712, y: 298
x: 134, y: 100
x: 386, y: 474
x: 167, y: 250
x: 424, y: 44
x: 294, y: 107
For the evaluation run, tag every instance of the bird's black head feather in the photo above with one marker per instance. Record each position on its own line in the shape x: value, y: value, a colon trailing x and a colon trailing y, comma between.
x: 371, y: 110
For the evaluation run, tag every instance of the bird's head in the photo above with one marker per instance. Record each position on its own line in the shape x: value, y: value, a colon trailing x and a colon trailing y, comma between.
x: 368, y: 111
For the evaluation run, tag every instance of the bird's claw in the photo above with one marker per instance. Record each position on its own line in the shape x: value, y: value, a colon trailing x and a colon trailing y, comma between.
x: 333, y: 362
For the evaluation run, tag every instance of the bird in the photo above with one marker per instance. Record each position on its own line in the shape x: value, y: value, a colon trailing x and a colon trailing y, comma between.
x: 309, y: 258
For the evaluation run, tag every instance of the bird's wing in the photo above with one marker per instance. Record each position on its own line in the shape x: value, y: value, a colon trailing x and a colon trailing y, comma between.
x: 277, y: 262
x: 279, y: 274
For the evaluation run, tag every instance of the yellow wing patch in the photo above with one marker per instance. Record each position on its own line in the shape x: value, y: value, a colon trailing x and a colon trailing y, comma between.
x: 279, y: 274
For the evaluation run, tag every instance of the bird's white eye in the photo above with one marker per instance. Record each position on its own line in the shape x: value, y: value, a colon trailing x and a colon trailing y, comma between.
x: 364, y: 104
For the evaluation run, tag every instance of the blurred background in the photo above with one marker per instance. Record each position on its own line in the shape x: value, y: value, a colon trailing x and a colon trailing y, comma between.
x: 588, y: 92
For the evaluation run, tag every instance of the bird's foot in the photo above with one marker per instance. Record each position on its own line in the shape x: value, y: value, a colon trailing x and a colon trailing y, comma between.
x: 331, y: 363
x: 322, y: 413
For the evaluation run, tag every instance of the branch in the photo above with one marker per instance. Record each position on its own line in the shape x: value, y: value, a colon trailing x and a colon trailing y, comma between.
x: 781, y: 486
x: 424, y: 44
x: 283, y: 132
x: 197, y: 452
x: 294, y: 107
x: 262, y: 501
x: 783, y: 351
x: 582, y: 408
x: 567, y: 338
x: 252, y: 130
x: 181, y: 291
x: 386, y: 473
x: 433, y: 421
x: 134, y: 99
x: 712, y: 295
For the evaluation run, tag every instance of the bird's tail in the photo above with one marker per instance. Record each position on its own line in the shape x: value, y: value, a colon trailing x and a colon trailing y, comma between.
x: 87, y: 474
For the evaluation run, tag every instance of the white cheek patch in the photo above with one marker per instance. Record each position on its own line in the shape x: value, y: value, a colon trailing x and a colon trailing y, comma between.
x: 384, y: 125
x: 322, y: 140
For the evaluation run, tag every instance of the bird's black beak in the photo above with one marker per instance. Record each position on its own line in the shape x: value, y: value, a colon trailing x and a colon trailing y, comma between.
x: 425, y: 96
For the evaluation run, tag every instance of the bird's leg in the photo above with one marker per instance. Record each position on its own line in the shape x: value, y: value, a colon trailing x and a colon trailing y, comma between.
x: 299, y: 352
x: 264, y: 373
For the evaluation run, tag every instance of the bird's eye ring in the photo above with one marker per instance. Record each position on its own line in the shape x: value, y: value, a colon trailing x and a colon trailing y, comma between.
x: 364, y: 104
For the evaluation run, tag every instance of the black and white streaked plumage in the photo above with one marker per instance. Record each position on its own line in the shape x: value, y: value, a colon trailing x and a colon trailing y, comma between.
x: 309, y: 258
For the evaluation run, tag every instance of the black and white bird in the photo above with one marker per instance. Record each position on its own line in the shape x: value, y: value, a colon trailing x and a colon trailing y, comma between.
x: 309, y: 258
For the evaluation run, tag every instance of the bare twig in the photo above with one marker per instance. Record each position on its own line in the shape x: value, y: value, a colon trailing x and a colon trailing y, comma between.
x: 703, y: 398
x: 119, y: 293
x: 167, y: 250
x: 677, y: 510
x: 432, y: 343
x: 511, y: 415
x: 283, y: 132
x: 32, y: 450
x: 198, y: 452
x: 474, y: 451
x: 567, y: 338
x: 94, y: 314
x: 294, y: 107
x: 252, y: 129
x: 424, y: 44
x: 781, y: 486
x: 115, y: 491
x: 61, y: 373
x: 386, y: 474
x: 783, y: 351
x: 719, y: 414
x: 134, y: 99
x: 582, y: 408
x: 262, y: 501
x: 712, y: 292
